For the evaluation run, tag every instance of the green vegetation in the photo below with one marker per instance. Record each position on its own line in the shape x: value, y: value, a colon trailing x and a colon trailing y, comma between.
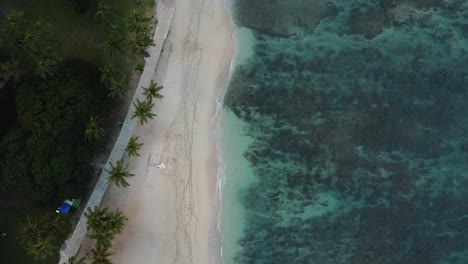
x: 93, y: 130
x: 113, y: 44
x: 153, y: 91
x: 37, y: 235
x: 59, y: 90
x: 137, y: 23
x: 81, y: 33
x: 63, y: 67
x: 12, y: 217
x: 104, y: 225
x: 103, y: 11
x: 75, y: 260
x: 143, y: 110
x: 139, y: 43
x: 43, y: 158
x: 31, y: 46
x: 133, y: 147
x: 114, y: 80
x: 101, y: 255
x: 119, y: 173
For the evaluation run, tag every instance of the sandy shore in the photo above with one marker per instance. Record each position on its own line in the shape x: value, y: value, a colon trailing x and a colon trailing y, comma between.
x: 171, y: 210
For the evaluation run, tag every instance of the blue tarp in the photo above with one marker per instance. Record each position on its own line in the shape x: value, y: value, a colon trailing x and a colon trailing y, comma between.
x: 64, y: 208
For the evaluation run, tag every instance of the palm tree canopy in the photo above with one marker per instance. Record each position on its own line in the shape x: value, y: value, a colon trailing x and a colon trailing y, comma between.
x: 118, y: 87
x: 133, y: 147
x: 136, y: 22
x: 41, y: 248
x: 37, y: 235
x: 10, y: 70
x: 95, y: 216
x: 103, y: 11
x: 105, y: 224
x: 153, y: 91
x: 107, y: 74
x: 113, y: 44
x: 140, y: 43
x: 118, y: 174
x: 15, y: 23
x: 101, y: 255
x: 75, y: 260
x: 143, y: 110
x: 94, y: 131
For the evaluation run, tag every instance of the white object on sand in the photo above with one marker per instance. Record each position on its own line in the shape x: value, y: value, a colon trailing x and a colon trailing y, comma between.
x: 162, y: 166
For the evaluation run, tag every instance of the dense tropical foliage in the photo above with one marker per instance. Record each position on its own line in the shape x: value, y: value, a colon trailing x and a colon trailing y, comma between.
x: 38, y: 234
x: 62, y: 71
x: 43, y: 157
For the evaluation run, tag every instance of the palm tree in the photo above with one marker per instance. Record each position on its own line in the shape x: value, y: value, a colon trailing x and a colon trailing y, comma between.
x: 140, y: 43
x: 45, y: 67
x: 107, y: 74
x: 94, y: 131
x: 39, y: 40
x: 136, y: 21
x: 119, y: 173
x: 41, y: 247
x: 10, y: 70
x: 100, y: 255
x: 133, y: 147
x: 52, y: 222
x: 15, y: 23
x: 29, y: 230
x: 143, y: 110
x: 116, y: 222
x: 37, y: 235
x: 113, y: 44
x: 104, y: 224
x: 95, y: 216
x: 97, y: 222
x: 102, y: 236
x: 103, y: 12
x: 153, y: 91
x: 118, y: 88
x: 74, y: 260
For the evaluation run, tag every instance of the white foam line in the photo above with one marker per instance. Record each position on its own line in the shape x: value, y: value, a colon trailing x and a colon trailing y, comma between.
x: 217, y: 121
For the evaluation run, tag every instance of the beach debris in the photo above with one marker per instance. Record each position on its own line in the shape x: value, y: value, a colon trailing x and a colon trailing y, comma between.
x: 161, y: 166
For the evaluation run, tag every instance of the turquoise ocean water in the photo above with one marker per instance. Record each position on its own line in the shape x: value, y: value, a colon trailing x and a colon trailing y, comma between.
x: 345, y: 133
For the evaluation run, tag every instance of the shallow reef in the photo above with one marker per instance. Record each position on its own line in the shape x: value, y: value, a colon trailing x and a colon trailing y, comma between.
x: 358, y: 114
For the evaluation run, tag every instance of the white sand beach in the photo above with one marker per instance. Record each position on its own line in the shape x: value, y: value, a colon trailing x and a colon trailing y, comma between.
x: 170, y: 210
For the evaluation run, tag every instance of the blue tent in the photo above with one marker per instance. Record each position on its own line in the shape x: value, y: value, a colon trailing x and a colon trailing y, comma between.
x: 64, y: 208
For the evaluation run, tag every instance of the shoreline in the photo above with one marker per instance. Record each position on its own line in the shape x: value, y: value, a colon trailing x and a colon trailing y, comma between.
x: 218, y: 119
x: 220, y: 174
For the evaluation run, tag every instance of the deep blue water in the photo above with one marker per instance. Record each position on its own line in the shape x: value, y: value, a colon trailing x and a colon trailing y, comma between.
x: 358, y: 115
